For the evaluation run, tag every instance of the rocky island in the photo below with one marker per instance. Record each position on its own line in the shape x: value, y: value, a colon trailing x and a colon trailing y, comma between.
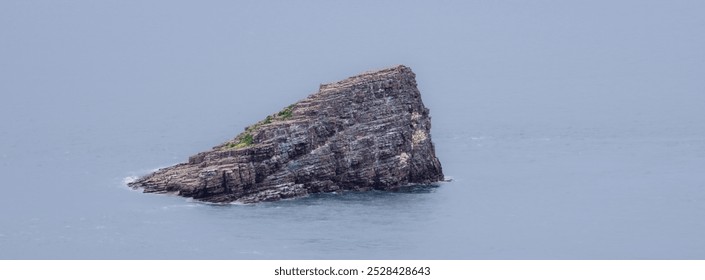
x: 369, y: 131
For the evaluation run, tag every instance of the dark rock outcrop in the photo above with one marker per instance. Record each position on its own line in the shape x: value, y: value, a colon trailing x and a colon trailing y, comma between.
x: 370, y: 131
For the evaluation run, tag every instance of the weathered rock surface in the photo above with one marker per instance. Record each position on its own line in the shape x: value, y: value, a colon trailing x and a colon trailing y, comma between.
x: 370, y: 131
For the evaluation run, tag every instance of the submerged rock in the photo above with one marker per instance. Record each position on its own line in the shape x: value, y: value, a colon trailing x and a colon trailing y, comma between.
x: 369, y: 131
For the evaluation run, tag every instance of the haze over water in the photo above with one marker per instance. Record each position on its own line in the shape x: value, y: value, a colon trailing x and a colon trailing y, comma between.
x: 572, y: 130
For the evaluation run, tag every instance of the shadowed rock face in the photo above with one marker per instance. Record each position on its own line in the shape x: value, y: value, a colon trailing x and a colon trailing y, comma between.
x: 369, y: 131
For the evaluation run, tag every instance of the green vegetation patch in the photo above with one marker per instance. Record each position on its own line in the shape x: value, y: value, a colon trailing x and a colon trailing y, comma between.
x: 287, y: 112
x: 246, y: 139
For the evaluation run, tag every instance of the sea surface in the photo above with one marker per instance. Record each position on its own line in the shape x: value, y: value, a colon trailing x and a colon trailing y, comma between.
x: 570, y: 130
x: 512, y: 196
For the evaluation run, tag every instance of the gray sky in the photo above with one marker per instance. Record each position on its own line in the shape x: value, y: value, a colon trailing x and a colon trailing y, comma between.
x: 519, y: 64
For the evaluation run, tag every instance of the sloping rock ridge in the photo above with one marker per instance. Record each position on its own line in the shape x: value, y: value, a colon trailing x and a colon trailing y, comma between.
x: 370, y: 131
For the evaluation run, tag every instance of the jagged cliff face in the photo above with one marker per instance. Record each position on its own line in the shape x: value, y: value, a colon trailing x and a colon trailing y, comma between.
x: 369, y: 131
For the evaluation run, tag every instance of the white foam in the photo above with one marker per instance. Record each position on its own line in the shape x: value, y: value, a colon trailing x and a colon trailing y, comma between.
x: 236, y: 203
x: 129, y: 179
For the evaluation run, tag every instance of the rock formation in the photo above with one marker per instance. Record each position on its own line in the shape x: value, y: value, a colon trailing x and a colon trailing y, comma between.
x: 370, y: 131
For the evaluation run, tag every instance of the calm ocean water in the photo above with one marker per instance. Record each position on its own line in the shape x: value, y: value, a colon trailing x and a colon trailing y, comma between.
x: 514, y: 196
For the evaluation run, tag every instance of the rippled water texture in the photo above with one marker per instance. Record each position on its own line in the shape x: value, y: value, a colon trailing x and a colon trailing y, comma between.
x: 510, y: 198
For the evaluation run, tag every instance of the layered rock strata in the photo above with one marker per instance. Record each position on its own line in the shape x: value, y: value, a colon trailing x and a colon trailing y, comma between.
x: 370, y: 131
